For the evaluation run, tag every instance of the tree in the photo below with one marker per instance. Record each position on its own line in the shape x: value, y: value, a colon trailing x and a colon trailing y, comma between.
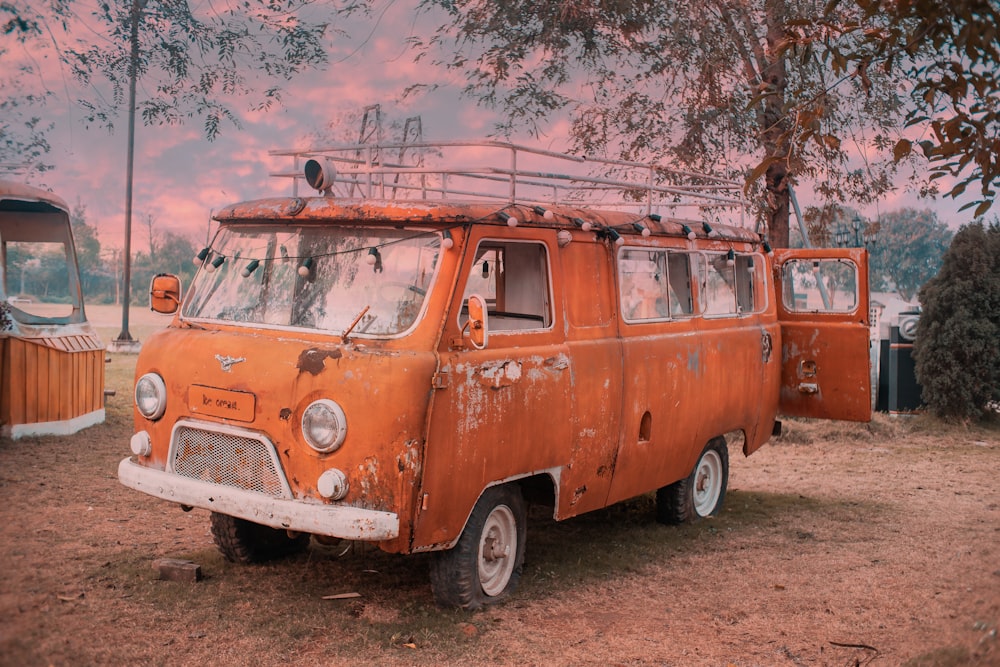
x: 707, y: 86
x: 956, y: 351
x: 949, y: 51
x: 173, y: 254
x: 909, y: 250
x: 193, y: 60
x: 23, y: 141
x: 88, y: 251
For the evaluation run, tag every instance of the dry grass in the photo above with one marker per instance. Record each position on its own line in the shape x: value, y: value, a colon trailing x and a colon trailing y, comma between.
x: 834, y: 537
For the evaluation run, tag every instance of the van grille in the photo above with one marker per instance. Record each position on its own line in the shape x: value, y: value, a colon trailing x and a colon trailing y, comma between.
x: 228, y: 459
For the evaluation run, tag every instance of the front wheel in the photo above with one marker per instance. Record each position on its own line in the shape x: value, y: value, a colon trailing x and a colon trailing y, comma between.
x: 485, y: 565
x: 242, y: 541
x: 701, y: 493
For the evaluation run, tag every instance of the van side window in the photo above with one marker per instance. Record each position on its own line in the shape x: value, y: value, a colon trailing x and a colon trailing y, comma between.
x: 643, y: 283
x: 514, y: 279
x: 720, y: 285
x: 815, y: 286
x: 679, y: 273
x: 655, y: 284
x: 747, y: 279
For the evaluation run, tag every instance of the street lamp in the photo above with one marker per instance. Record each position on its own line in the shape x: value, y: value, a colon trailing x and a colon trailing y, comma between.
x: 859, y: 235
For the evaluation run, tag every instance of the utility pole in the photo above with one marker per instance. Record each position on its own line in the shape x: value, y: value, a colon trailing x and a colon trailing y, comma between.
x: 125, y: 342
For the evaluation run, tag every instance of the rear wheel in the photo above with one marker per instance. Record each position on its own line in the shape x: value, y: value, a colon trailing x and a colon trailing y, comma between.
x: 242, y: 541
x: 485, y: 565
x: 701, y: 493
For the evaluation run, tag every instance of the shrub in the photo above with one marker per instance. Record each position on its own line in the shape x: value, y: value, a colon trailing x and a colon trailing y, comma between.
x: 957, y: 348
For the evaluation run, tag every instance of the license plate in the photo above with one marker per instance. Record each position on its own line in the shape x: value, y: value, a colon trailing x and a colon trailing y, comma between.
x: 225, y: 403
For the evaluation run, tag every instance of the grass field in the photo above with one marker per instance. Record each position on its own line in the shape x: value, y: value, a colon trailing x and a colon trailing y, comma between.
x: 839, y: 544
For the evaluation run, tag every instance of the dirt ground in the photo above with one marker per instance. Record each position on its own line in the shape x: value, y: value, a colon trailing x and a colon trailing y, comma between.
x: 839, y: 545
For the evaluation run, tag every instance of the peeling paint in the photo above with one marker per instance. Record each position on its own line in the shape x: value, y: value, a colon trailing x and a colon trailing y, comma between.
x: 500, y: 374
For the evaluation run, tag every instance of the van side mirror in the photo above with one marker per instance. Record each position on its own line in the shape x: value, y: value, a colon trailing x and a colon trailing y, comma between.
x: 478, y: 321
x: 165, y: 293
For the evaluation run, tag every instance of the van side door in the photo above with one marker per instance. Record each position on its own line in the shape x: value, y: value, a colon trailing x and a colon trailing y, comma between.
x: 502, y: 411
x: 822, y: 302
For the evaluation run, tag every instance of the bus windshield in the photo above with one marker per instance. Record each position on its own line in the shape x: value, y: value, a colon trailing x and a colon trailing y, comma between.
x: 316, y: 278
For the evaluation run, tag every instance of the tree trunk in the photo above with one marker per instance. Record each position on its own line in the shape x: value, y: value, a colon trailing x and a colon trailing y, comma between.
x: 774, y: 128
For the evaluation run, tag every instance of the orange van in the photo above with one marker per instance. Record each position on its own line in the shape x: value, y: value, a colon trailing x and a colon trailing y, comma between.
x: 417, y: 352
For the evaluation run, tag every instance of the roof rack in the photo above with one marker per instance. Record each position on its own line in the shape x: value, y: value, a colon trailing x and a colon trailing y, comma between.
x: 493, y: 171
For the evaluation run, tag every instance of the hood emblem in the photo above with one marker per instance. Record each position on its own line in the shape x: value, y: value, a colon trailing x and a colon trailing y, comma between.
x: 228, y: 362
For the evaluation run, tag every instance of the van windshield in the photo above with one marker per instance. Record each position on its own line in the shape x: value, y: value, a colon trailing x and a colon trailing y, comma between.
x: 316, y: 277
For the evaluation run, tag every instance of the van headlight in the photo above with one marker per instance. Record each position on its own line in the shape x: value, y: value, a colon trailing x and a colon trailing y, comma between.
x: 151, y: 396
x: 324, y: 425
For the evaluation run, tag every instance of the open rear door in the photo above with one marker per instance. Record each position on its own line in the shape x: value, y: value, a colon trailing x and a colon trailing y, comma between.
x: 825, y: 336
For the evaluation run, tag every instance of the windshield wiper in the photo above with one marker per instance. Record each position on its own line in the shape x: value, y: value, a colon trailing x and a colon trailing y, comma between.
x: 353, y: 324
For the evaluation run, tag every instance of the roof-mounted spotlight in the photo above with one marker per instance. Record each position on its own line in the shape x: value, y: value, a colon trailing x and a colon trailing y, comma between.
x: 321, y: 174
x: 544, y: 212
x: 583, y: 224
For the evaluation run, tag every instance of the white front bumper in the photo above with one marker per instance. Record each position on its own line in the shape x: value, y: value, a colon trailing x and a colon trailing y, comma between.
x: 350, y: 523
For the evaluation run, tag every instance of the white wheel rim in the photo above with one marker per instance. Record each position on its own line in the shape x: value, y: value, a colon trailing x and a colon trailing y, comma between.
x: 707, y: 483
x: 497, y: 549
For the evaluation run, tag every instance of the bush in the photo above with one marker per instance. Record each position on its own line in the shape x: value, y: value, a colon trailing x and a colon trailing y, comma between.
x: 957, y: 349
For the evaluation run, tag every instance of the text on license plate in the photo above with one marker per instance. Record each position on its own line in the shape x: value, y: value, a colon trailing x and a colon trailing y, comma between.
x: 238, y: 405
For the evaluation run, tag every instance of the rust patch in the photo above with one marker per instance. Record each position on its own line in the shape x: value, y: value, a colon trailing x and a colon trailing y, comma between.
x: 313, y: 361
x: 285, y: 414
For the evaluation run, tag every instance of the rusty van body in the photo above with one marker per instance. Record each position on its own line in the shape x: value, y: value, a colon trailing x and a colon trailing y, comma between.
x: 406, y: 360
x: 51, y: 359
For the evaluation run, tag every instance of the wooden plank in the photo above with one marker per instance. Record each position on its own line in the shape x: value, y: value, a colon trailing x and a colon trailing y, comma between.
x: 97, y: 397
x: 5, y: 385
x: 30, y: 413
x: 58, y: 409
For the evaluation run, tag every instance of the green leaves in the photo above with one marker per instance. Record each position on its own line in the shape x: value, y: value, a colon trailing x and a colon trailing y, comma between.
x: 195, y: 61
x: 956, y: 351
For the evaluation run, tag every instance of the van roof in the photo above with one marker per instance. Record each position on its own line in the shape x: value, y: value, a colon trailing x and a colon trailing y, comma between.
x: 451, y: 183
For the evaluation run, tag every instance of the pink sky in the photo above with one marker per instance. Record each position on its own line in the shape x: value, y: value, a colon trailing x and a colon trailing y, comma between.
x: 180, y: 177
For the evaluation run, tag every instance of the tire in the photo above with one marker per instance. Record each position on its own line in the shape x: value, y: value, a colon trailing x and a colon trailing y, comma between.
x: 701, y: 493
x: 485, y: 565
x: 244, y: 542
